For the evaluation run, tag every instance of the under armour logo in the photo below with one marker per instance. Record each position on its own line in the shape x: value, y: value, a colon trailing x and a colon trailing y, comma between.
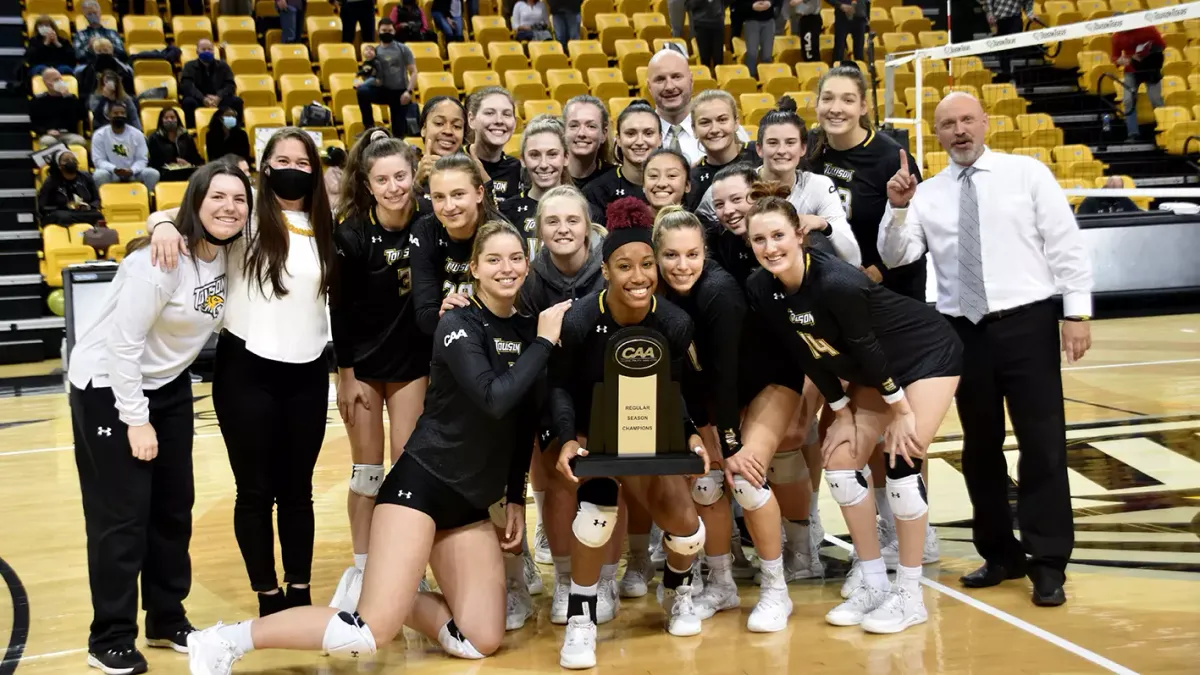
x: 620, y: 192
x: 440, y: 242
x: 836, y: 485
x: 354, y: 653
x: 599, y: 523
x: 777, y: 296
x: 702, y: 488
x: 406, y: 495
x: 601, y: 329
x: 894, y: 495
x: 522, y: 208
x: 376, y: 240
x: 744, y: 256
x: 104, y: 431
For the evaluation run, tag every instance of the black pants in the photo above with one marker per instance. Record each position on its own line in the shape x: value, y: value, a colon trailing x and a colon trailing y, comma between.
x: 362, y: 13
x: 1009, y: 25
x: 272, y: 418
x: 710, y: 44
x: 138, y: 515
x: 808, y: 29
x: 375, y: 94
x: 855, y: 27
x: 190, y: 104
x: 1014, y: 359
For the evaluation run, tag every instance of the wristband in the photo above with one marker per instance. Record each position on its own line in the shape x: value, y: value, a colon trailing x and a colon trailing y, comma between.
x: 1077, y: 318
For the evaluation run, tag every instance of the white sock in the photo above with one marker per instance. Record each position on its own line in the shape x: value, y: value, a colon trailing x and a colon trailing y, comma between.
x: 360, y: 561
x: 608, y: 572
x: 239, y: 635
x: 562, y: 565
x: 797, y: 536
x: 875, y: 573
x: 592, y: 590
x: 885, y: 508
x: 514, y: 568
x: 639, y: 546
x: 772, y: 573
x: 909, y: 578
x: 538, y: 496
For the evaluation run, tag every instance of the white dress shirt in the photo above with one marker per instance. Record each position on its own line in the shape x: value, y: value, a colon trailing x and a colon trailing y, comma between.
x: 688, y: 143
x: 1029, y: 240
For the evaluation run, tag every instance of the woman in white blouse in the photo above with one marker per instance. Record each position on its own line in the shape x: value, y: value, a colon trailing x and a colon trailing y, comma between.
x: 131, y: 406
x: 271, y: 383
x: 529, y: 17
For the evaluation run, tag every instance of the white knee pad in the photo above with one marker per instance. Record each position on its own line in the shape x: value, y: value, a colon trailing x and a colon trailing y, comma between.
x: 749, y: 497
x: 593, y: 524
x: 365, y: 479
x: 498, y: 515
x: 348, y: 635
x: 847, y: 486
x: 708, y: 489
x: 907, y: 497
x: 689, y: 545
x: 788, y: 467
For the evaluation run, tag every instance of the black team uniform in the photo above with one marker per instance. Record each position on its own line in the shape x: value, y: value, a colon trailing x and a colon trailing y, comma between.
x: 521, y: 211
x: 504, y: 177
x: 610, y: 187
x: 702, y: 174
x: 861, y: 175
x: 439, y: 266
x: 602, y: 169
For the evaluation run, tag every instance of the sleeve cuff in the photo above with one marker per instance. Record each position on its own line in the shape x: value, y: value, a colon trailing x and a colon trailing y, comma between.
x: 898, y: 216
x: 136, y: 420
x: 839, y: 404
x: 1077, y: 304
x: 894, y: 397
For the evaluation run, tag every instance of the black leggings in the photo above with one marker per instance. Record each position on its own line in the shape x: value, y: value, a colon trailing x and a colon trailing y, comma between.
x: 272, y: 417
x: 710, y: 44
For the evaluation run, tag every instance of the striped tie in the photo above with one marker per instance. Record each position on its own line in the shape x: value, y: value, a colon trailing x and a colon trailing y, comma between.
x: 972, y: 295
x: 673, y: 138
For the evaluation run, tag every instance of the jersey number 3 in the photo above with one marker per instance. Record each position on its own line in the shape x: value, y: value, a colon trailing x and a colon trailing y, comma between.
x: 817, y: 345
x: 847, y: 197
x: 405, y: 278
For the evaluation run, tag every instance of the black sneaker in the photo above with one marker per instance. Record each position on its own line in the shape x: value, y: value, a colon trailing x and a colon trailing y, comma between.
x: 270, y: 603
x: 118, y: 661
x: 299, y: 597
x: 176, y: 639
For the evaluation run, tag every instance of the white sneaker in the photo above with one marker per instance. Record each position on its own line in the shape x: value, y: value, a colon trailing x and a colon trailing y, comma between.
x: 815, y: 529
x: 457, y: 645
x: 579, y: 644
x: 558, y: 606
x: 533, y: 580
x: 864, y: 600
x: 718, y: 595
x: 742, y: 567
x: 211, y: 654
x: 519, y: 606
x: 933, y: 548
x: 899, y: 610
x: 657, y: 555
x: 891, y: 554
x: 698, y: 573
x: 853, y: 580
x: 349, y: 588
x: 771, y: 613
x: 682, y: 620
x: 638, y: 573
x: 607, y: 602
x: 541, y: 547
x: 801, y: 563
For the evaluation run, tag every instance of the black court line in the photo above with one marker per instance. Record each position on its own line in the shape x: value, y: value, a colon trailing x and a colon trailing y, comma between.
x: 1106, y: 407
x: 20, y: 623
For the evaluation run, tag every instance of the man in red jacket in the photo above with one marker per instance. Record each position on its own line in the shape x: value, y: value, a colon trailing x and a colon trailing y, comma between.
x: 1140, y: 52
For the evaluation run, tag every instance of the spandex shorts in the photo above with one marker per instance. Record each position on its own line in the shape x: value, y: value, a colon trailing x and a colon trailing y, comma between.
x: 946, y: 360
x: 410, y: 484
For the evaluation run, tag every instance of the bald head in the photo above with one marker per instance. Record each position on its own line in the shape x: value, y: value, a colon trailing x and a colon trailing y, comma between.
x: 670, y: 84
x: 961, y: 126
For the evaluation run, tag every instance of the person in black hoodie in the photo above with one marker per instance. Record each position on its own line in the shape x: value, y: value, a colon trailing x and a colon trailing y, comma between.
x: 57, y: 114
x: 47, y: 49
x: 69, y: 195
x: 225, y: 137
x: 708, y: 27
x: 207, y: 82
x: 173, y: 151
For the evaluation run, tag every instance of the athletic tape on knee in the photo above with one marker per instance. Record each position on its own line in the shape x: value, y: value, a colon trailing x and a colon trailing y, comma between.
x: 907, y: 497
x: 594, y: 524
x: 750, y: 497
x: 365, y: 479
x: 349, y: 635
x: 708, y: 489
x: 848, y: 487
x: 689, y: 545
x: 788, y: 467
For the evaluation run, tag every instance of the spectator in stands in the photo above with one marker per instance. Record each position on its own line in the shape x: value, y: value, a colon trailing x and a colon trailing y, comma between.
x: 291, y: 17
x: 57, y: 114
x: 357, y: 14
x: 676, y: 12
x: 47, y: 49
x: 120, y: 153
x: 708, y: 27
x: 105, y: 59
x: 759, y: 31
x: 393, y: 70
x: 335, y: 165
x: 111, y: 92
x: 226, y: 137
x: 805, y: 18
x: 1140, y: 52
x: 566, y: 17
x: 173, y: 151
x: 68, y: 195
x: 84, y: 39
x: 1004, y: 18
x: 411, y: 23
x: 448, y: 17
x: 530, y: 20
x: 207, y: 82
x: 1092, y: 205
x: 850, y: 19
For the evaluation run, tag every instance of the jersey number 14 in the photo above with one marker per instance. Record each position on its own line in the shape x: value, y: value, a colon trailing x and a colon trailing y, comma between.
x: 817, y: 346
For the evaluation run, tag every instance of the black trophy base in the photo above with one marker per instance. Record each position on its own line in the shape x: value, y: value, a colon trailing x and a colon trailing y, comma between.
x: 661, y: 464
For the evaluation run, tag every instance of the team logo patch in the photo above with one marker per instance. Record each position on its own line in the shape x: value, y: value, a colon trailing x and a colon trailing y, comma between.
x: 507, y: 346
x: 639, y: 353
x: 210, y: 298
x: 460, y: 333
x: 530, y: 224
x: 499, y: 186
x: 805, y: 319
x: 393, y: 254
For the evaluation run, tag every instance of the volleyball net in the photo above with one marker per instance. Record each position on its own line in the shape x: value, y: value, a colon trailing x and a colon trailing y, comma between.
x: 1054, y: 92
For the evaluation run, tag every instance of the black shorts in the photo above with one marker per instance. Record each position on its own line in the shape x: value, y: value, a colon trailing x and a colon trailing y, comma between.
x: 945, y: 359
x: 410, y: 484
x: 397, y: 364
x: 908, y: 280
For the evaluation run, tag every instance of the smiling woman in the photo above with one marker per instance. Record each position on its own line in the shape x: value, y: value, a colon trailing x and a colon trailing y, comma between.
x: 638, y: 134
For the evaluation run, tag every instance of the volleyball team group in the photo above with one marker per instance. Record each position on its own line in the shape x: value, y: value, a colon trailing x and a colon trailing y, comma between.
x: 471, y: 295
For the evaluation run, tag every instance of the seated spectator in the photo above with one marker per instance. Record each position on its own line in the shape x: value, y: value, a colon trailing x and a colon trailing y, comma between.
x: 110, y: 92
x: 530, y: 19
x: 69, y: 195
x: 83, y: 43
x: 411, y: 23
x: 389, y: 72
x: 207, y: 82
x: 48, y: 49
x: 448, y: 17
x: 57, y: 114
x: 173, y: 152
x: 119, y: 152
x: 225, y: 137
x: 291, y: 17
x: 1091, y: 205
x: 88, y: 74
x: 1139, y: 52
x: 567, y: 19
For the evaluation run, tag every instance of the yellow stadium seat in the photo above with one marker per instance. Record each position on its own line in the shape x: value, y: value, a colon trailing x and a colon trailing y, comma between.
x: 525, y: 85
x: 544, y: 107
x: 787, y: 50
x: 1093, y: 9
x: 933, y: 38
x: 427, y: 57
x: 290, y: 59
x: 256, y: 90
x: 702, y: 80
x: 606, y: 83
x: 587, y: 54
x: 777, y: 78
x: 591, y: 9
x: 336, y: 57
x: 1072, y: 153
x: 1031, y: 122
x: 613, y: 27
x: 478, y: 79
x: 143, y: 83
x: 1176, y: 139
x: 125, y: 202
x: 810, y: 74
x: 544, y: 56
x: 263, y: 117
x: 487, y: 29
x: 879, y: 21
x: 974, y: 78
x: 352, y: 118
x: 565, y: 84
x: 169, y: 194
x: 341, y: 89
x: 36, y: 7
x: 299, y: 90
x: 506, y: 56
x: 935, y: 162
x: 191, y: 29
x: 632, y: 7
x: 143, y: 29
x: 736, y: 80
x: 59, y: 253
x: 1039, y: 153
x: 631, y: 55
x: 323, y: 29
x: 755, y: 106
x: 910, y: 19
x: 431, y: 85
x: 237, y: 30
x: 246, y: 59
x: 127, y: 232
x: 899, y: 42
x: 107, y: 20
x: 1087, y: 170
x: 60, y: 21
x: 465, y: 56
x: 203, y: 119
x: 618, y: 105
x: 318, y: 8
x: 964, y: 89
x: 651, y: 26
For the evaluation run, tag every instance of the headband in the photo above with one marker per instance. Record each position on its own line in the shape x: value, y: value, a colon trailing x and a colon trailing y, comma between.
x: 626, y: 235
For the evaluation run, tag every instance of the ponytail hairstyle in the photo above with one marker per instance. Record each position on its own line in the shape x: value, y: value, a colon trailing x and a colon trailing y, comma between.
x: 855, y: 75
x: 545, y: 124
x: 604, y: 154
x: 475, y: 102
x: 357, y: 201
x: 671, y: 218
x: 639, y: 106
x: 785, y: 113
x: 772, y: 197
x: 460, y: 161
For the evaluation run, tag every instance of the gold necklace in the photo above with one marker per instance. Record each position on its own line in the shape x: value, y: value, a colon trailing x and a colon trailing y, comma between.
x: 296, y: 230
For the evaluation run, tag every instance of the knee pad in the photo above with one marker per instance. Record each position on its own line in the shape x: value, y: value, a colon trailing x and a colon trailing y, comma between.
x: 749, y: 497
x: 596, y: 517
x: 788, y: 467
x: 708, y: 489
x: 847, y: 486
x: 689, y: 545
x: 907, y: 497
x: 349, y: 635
x: 498, y: 515
x: 365, y: 479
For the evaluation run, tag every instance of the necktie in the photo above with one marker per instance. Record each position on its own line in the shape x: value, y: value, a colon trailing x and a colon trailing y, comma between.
x: 673, y: 142
x: 972, y: 295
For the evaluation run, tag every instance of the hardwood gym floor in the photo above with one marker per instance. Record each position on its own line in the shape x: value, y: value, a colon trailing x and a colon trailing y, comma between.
x: 1134, y: 591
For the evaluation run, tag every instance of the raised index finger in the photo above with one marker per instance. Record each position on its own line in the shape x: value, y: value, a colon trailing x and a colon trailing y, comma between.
x: 903, y: 162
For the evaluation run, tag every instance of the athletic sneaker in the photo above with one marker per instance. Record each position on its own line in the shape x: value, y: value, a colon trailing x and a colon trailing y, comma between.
x: 771, y: 613
x: 118, y: 661
x: 638, y: 573
x: 933, y: 548
x: 558, y: 606
x: 899, y: 610
x: 176, y: 639
x: 698, y: 572
x: 541, y: 547
x: 864, y: 600
x: 607, y: 602
x: 349, y: 588
x: 657, y: 555
x: 801, y: 563
x: 815, y: 529
x: 889, y: 543
x: 456, y: 644
x: 579, y: 644
x: 211, y: 654
x: 533, y: 580
x: 853, y: 580
x: 742, y: 567
x: 718, y: 595
x: 891, y: 554
x: 519, y: 606
x: 682, y: 620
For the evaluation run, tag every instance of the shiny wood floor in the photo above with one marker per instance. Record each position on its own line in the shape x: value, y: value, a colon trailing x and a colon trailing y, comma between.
x: 1134, y: 589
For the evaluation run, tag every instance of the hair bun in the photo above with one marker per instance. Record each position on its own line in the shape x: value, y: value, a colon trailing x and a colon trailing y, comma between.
x: 640, y: 101
x: 628, y: 212
x: 786, y: 104
x: 762, y: 189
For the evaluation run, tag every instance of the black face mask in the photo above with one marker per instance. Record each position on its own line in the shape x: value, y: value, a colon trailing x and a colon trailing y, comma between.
x: 208, y: 236
x: 290, y: 184
x: 387, y: 38
x: 118, y: 123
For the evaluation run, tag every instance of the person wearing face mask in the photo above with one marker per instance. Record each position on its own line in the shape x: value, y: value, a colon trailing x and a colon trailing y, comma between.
x: 47, y: 50
x: 131, y: 408
x: 83, y: 42
x: 110, y: 91
x: 271, y: 380
x: 91, y: 74
x: 68, y: 195
x: 207, y: 82
x: 491, y: 120
x: 120, y: 153
x: 226, y: 137
x: 173, y: 151
x: 57, y: 115
x: 638, y: 135
x: 394, y: 72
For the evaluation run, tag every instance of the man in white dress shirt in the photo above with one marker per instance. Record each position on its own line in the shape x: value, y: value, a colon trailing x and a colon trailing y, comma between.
x: 1003, y: 241
x: 670, y: 83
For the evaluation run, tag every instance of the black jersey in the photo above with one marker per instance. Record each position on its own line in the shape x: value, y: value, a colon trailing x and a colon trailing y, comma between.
x: 602, y: 170
x: 703, y: 173
x: 840, y: 324
x: 732, y: 252
x: 440, y: 266
x: 609, y: 188
x: 578, y: 365
x: 477, y: 428
x: 521, y: 211
x: 371, y: 311
x: 504, y: 177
